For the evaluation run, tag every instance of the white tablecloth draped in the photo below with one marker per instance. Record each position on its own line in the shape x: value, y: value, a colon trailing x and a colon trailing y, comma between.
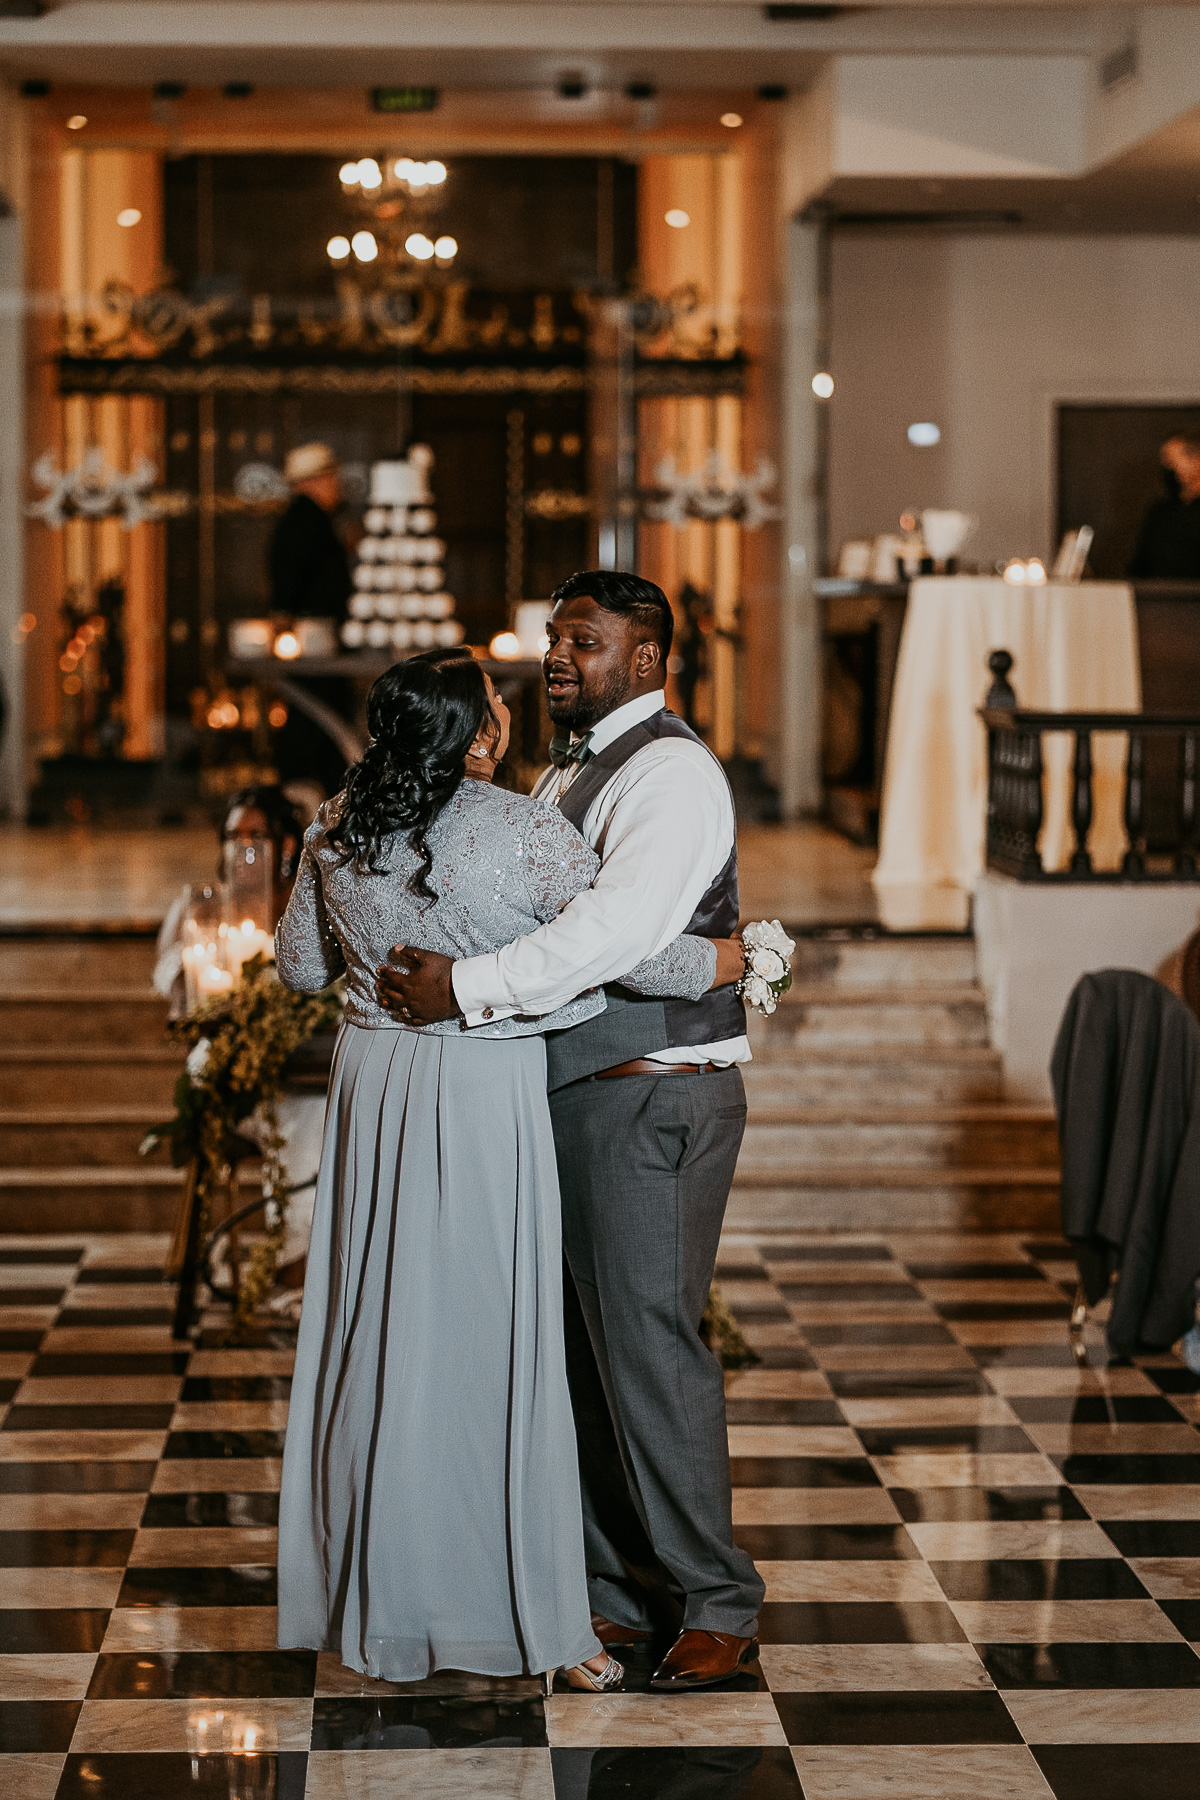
x: 1072, y: 647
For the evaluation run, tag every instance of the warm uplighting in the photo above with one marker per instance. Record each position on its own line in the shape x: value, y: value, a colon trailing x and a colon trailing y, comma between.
x: 924, y: 434
x: 822, y: 385
x: 420, y: 246
x: 505, y: 646
x: 446, y: 249
x: 338, y: 249
x: 364, y: 246
x: 129, y: 215
x: 678, y: 219
x: 287, y: 644
x: 77, y: 121
x: 731, y: 120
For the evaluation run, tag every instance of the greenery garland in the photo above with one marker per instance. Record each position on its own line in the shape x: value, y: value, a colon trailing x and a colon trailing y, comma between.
x: 240, y: 1044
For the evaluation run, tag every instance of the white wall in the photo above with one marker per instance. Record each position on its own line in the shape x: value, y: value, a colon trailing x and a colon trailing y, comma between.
x: 983, y: 334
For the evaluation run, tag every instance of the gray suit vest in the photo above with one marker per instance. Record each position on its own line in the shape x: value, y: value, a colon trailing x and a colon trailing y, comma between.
x: 634, y: 1025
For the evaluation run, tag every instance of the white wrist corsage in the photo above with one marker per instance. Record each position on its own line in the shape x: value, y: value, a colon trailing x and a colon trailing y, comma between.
x: 768, y: 965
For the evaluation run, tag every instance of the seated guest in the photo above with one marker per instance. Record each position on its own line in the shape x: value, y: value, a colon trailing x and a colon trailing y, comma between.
x: 1168, y: 544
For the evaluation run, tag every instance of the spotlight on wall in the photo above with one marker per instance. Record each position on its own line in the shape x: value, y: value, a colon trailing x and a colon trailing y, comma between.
x: 364, y: 246
x: 640, y: 90
x: 678, y: 219
x: 572, y: 87
x: 338, y: 249
x: 77, y: 121
x: 129, y: 215
x: 822, y: 385
x: 731, y: 120
x: 924, y: 434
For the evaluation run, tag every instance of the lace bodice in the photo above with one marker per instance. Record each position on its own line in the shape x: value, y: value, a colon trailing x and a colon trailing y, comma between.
x: 502, y: 865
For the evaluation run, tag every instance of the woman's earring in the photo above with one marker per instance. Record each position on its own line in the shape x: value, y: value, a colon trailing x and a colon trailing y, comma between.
x: 480, y: 750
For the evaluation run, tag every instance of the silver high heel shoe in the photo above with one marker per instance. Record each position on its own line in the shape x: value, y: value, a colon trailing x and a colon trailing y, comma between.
x: 587, y: 1680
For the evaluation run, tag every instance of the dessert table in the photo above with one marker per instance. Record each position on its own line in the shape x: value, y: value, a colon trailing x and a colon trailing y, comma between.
x: 1074, y: 646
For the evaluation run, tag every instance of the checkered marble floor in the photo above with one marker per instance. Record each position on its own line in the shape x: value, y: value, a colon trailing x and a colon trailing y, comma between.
x: 982, y: 1564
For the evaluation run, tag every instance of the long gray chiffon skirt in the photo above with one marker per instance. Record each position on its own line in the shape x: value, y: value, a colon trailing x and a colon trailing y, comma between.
x: 430, y: 1512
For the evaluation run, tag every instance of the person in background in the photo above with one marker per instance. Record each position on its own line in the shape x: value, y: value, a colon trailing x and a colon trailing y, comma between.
x: 1168, y: 544
x: 310, y: 579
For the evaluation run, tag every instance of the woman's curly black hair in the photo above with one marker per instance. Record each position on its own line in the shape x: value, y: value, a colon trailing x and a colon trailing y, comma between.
x: 423, y: 716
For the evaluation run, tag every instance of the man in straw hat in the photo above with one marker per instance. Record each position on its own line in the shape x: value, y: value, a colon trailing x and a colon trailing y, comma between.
x: 310, y: 578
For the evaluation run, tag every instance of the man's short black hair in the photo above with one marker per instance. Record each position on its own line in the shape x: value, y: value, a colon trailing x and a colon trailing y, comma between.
x: 636, y: 599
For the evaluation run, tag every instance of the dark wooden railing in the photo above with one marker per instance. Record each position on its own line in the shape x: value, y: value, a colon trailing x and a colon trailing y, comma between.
x: 1014, y: 817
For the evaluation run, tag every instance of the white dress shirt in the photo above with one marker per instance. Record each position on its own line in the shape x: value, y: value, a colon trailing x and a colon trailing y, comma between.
x: 663, y: 827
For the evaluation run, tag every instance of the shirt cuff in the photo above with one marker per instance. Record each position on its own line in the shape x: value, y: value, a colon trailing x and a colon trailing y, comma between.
x: 475, y: 981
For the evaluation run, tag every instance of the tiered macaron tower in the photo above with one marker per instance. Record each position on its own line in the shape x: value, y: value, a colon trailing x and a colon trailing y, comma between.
x: 399, y: 600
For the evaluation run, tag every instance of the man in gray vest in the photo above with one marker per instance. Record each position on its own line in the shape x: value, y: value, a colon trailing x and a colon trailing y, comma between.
x: 649, y: 1109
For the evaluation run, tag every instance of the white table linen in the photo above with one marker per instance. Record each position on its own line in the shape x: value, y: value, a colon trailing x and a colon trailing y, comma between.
x: 1074, y: 647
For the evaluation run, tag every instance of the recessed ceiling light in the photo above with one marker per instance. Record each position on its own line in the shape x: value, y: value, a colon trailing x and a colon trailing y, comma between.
x: 924, y: 433
x: 678, y: 218
x: 76, y: 122
x: 129, y: 215
x: 731, y: 120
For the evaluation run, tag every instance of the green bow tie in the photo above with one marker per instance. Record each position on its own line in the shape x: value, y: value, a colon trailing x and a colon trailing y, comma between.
x: 563, y: 752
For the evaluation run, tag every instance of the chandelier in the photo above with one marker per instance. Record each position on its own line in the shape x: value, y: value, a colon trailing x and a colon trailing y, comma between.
x: 712, y: 492
x: 93, y: 490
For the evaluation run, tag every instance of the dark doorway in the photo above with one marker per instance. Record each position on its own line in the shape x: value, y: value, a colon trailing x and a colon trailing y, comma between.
x: 1109, y: 473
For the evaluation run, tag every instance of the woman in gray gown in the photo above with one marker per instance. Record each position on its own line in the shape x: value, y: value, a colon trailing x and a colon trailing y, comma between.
x: 430, y: 1512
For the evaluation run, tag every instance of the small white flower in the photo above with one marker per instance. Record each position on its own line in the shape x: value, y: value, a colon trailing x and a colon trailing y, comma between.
x: 757, y: 993
x: 767, y: 963
x: 197, y: 1060
x: 768, y: 934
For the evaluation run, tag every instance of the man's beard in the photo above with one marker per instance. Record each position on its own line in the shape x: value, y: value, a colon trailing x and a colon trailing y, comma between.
x: 587, y: 709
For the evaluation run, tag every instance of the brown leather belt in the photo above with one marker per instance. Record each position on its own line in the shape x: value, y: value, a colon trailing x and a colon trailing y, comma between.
x: 645, y: 1065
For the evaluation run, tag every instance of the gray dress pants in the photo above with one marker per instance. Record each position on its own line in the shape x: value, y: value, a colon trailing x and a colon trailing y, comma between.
x: 645, y: 1165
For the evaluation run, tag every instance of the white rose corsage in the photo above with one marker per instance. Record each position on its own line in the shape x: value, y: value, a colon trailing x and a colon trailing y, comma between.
x: 768, y: 965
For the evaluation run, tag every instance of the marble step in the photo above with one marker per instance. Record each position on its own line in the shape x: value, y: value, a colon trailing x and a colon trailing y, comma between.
x: 81, y: 1136
x: 884, y: 962
x: 855, y: 1075
x: 950, y: 1014
x: 75, y: 963
x: 895, y: 1198
x: 34, y: 1075
x: 107, y: 1015
x: 946, y: 1137
x: 90, y: 1199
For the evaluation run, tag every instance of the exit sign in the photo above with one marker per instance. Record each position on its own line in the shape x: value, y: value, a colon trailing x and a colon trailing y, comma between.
x: 404, y: 99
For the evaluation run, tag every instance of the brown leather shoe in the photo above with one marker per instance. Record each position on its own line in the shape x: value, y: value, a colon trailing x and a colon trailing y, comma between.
x: 610, y: 1634
x: 701, y: 1658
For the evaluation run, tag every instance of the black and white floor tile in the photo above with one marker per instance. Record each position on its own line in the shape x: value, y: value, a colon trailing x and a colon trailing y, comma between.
x: 982, y: 1563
